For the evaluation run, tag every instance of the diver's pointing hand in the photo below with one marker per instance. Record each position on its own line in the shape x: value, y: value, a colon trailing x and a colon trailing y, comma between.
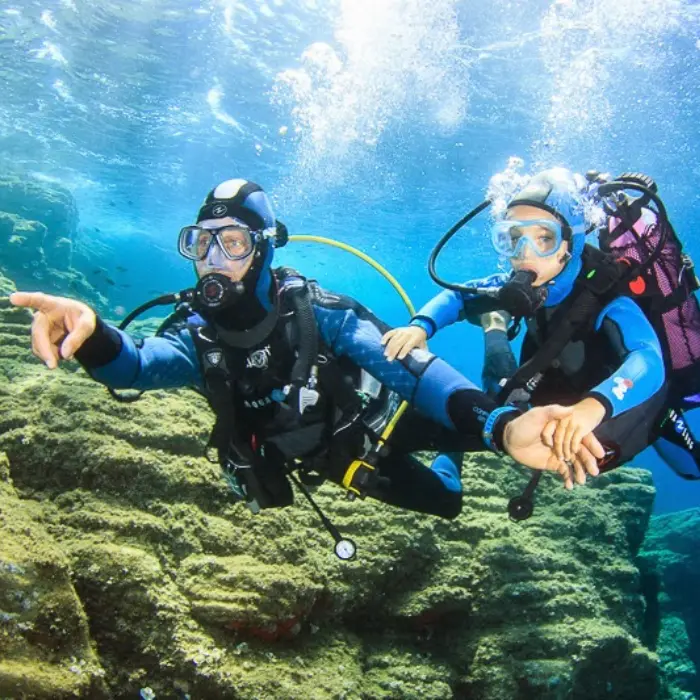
x: 400, y: 341
x: 60, y: 325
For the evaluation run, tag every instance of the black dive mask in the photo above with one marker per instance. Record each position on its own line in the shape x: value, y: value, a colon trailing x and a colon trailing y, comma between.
x: 518, y: 295
x: 217, y: 292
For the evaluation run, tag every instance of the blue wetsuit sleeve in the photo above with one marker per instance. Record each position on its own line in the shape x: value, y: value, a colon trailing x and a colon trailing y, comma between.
x: 440, y: 311
x: 160, y: 362
x: 641, y: 372
x: 422, y: 379
x: 450, y: 306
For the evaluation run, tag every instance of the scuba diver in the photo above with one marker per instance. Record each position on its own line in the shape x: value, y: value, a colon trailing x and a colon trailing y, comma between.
x: 296, y: 375
x: 598, y: 333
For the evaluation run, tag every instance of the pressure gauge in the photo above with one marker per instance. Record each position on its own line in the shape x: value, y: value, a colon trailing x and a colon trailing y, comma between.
x: 345, y: 549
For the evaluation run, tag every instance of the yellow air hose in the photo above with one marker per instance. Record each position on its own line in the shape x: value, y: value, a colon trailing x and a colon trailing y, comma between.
x: 389, y: 429
x: 370, y: 261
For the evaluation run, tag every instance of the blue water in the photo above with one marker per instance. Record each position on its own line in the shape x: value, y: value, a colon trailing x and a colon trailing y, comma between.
x: 376, y: 122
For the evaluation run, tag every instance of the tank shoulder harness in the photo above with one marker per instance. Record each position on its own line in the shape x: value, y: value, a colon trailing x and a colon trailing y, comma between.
x: 598, y: 283
x: 294, y: 309
x: 351, y: 434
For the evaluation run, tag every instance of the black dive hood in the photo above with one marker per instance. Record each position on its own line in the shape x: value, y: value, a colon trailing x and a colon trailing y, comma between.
x: 518, y: 297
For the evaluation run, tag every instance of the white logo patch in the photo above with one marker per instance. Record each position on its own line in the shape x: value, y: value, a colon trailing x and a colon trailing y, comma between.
x: 219, y: 210
x: 259, y: 359
x: 214, y: 357
x: 622, y: 384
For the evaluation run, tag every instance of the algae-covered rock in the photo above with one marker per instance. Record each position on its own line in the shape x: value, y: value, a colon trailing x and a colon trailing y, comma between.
x: 7, y: 286
x: 45, y: 648
x: 672, y: 568
x: 187, y: 592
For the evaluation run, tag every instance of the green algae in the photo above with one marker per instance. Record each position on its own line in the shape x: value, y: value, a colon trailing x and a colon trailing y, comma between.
x: 183, y: 590
x: 45, y: 646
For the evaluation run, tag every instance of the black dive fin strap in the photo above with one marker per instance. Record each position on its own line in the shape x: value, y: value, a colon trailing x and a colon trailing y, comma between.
x: 672, y: 427
x: 585, y: 304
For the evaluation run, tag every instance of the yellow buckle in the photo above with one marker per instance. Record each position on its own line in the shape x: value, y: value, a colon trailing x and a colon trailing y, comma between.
x: 349, y: 476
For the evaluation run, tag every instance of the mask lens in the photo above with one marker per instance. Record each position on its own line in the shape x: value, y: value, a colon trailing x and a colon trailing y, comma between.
x: 194, y: 242
x: 542, y: 236
x: 236, y: 241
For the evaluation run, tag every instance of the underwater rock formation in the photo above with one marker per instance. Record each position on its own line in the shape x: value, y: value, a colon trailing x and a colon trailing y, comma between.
x: 671, y: 567
x: 38, y: 229
x: 49, y: 204
x: 167, y: 584
x: 45, y: 648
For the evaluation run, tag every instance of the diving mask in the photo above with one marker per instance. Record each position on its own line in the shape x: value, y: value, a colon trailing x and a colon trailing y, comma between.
x: 236, y: 241
x: 543, y: 237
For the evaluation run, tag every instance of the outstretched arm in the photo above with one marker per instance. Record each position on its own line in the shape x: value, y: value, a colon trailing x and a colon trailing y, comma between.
x: 112, y: 357
x: 66, y: 328
x: 449, y: 306
x: 436, y: 389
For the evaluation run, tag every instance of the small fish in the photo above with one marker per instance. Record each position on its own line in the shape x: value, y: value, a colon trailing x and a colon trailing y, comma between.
x: 98, y: 229
x: 97, y: 271
x: 112, y: 203
x: 119, y: 268
x: 125, y: 286
x: 108, y: 280
x: 130, y: 203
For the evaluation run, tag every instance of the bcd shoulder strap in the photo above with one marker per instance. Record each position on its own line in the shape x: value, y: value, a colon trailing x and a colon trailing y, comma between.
x: 597, y: 284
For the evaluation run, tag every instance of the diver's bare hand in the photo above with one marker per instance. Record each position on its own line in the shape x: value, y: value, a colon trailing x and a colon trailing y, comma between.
x: 523, y: 440
x: 583, y: 464
x: 400, y: 341
x: 565, y: 435
x: 60, y: 325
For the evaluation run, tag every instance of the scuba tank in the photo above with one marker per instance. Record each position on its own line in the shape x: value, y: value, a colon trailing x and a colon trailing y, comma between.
x: 665, y: 279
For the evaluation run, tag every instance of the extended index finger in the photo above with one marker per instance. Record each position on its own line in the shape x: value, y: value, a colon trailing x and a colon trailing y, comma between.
x: 32, y: 300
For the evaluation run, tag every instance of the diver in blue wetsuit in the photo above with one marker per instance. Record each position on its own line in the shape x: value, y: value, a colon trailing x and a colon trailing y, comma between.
x: 611, y: 370
x: 296, y: 375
